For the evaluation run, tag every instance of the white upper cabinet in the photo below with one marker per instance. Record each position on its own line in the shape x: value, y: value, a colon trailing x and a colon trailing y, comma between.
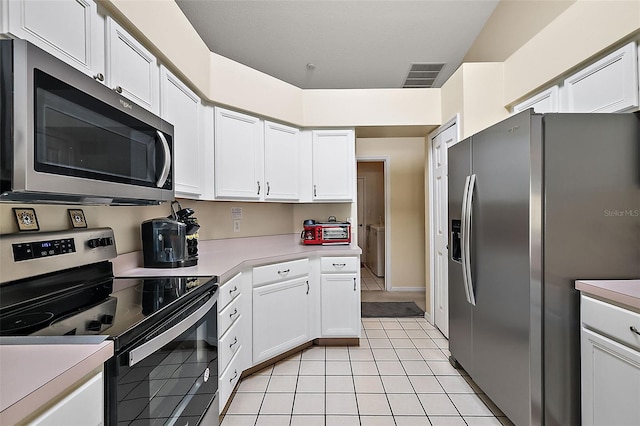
x: 543, y: 102
x: 238, y: 156
x: 608, y: 85
x: 130, y: 68
x: 67, y: 29
x: 333, y: 153
x: 281, y: 148
x: 182, y: 108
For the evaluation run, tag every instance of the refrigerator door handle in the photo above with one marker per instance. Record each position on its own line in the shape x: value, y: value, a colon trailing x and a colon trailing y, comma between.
x: 463, y: 232
x: 467, y: 241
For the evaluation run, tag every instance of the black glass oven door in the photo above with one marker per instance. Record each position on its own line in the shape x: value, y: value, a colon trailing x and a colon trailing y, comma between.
x: 78, y: 135
x: 172, y: 377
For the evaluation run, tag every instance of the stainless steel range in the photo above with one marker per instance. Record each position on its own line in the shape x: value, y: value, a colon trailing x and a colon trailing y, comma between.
x: 164, y: 329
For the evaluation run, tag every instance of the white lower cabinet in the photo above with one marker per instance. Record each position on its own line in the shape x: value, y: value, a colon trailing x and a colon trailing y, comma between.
x: 280, y: 317
x: 340, y: 297
x: 234, y: 334
x: 82, y: 407
x: 610, y: 368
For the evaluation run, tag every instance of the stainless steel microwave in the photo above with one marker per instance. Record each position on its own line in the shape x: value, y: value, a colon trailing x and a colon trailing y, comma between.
x: 67, y: 138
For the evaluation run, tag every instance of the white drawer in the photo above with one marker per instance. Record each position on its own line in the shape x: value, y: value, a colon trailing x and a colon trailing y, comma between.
x: 228, y: 379
x: 339, y: 264
x: 229, y: 343
x: 611, y: 320
x: 280, y: 271
x: 228, y: 315
x: 229, y: 291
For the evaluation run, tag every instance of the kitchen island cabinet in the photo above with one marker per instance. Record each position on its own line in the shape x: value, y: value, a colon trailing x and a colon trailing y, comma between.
x: 610, y: 352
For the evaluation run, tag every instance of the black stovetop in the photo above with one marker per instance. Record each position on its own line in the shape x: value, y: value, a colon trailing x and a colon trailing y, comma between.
x: 88, y: 300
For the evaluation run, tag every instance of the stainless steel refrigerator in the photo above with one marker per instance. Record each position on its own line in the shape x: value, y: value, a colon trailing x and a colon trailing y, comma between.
x: 535, y: 203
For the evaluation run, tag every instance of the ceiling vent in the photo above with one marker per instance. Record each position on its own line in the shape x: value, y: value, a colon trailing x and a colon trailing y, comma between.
x: 422, y: 75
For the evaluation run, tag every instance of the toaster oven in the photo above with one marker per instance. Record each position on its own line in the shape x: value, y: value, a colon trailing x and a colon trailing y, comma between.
x: 326, y: 233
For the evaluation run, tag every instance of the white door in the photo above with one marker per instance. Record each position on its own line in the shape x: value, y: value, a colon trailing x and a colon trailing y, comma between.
x: 181, y: 107
x: 333, y: 165
x: 280, y: 317
x: 238, y: 156
x: 441, y: 295
x: 281, y: 145
x: 340, y: 303
x: 361, y: 221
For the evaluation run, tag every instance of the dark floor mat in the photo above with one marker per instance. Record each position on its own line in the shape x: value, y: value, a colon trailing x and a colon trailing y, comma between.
x: 391, y: 309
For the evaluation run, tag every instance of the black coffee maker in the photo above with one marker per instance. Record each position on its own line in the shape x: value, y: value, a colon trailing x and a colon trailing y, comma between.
x: 186, y: 216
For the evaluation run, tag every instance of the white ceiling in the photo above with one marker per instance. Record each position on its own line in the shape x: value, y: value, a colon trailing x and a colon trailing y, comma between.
x: 353, y: 44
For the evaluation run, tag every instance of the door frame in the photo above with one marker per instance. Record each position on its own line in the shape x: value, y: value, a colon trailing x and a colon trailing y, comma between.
x: 454, y: 121
x: 362, y: 226
x: 386, y: 160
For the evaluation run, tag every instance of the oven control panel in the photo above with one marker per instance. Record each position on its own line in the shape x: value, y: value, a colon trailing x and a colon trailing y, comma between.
x: 24, y: 255
x: 34, y: 250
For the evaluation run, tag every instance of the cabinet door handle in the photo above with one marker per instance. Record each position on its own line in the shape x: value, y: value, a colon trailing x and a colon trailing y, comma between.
x: 118, y: 89
x: 235, y: 312
x: 233, y: 290
x: 635, y: 330
x: 258, y: 187
x: 354, y: 284
x: 307, y: 287
x: 285, y: 272
x: 99, y: 77
x: 315, y: 192
x: 235, y: 340
x: 268, y: 188
x: 235, y: 374
x: 339, y: 265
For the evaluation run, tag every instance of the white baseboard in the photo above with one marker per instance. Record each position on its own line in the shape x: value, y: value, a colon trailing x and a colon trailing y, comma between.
x: 427, y: 316
x: 422, y: 289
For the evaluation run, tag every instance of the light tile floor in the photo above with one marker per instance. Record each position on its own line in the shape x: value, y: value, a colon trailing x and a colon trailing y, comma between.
x: 399, y: 375
x: 368, y: 281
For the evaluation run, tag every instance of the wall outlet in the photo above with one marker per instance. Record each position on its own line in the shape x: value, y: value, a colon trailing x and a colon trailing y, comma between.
x: 236, y: 225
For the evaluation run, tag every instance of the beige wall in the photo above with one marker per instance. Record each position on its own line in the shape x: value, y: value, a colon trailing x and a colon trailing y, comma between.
x: 582, y: 31
x: 406, y: 221
x: 214, y: 217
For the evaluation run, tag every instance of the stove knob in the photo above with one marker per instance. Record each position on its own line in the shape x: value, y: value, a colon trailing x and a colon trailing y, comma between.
x: 94, y: 242
x: 94, y: 325
x: 106, y: 242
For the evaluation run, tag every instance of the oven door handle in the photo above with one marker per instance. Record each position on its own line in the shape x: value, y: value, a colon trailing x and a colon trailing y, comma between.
x: 141, y: 352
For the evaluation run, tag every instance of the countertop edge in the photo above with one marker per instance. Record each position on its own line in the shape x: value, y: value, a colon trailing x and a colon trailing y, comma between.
x: 623, y: 292
x: 214, y: 261
x: 42, y: 395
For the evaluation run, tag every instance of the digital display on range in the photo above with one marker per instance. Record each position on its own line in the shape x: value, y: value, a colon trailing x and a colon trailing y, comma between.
x: 38, y: 249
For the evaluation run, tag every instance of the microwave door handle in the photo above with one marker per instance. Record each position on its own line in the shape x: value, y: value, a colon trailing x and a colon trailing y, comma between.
x: 141, y: 352
x: 167, y: 160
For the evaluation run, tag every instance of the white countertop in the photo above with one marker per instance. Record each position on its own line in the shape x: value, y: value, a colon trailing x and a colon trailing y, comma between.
x: 623, y: 292
x: 33, y: 374
x: 224, y: 257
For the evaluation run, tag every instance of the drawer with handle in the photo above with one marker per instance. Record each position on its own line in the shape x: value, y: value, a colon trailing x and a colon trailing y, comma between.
x: 229, y: 379
x: 229, y: 291
x: 229, y: 344
x: 339, y: 264
x: 618, y: 323
x: 229, y: 315
x: 280, y: 271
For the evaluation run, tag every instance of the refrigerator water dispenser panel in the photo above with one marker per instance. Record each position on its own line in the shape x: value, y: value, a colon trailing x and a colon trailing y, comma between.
x: 456, y: 253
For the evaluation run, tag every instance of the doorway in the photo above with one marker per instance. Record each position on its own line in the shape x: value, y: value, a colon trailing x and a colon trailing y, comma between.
x: 371, y: 224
